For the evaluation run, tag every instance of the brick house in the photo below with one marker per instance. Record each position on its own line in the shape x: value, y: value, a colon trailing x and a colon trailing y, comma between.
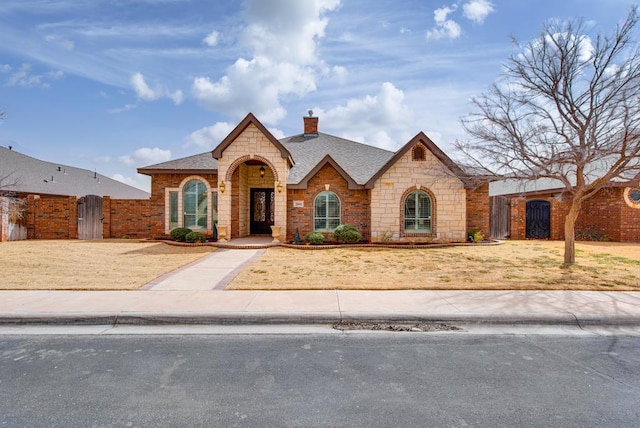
x: 254, y: 184
x: 56, y: 201
x: 612, y: 214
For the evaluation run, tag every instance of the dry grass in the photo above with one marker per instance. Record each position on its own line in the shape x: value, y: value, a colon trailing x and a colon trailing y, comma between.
x: 520, y: 265
x: 89, y: 265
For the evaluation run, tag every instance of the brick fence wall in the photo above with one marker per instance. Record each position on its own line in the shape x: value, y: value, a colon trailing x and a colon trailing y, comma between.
x: 56, y: 217
x: 129, y: 218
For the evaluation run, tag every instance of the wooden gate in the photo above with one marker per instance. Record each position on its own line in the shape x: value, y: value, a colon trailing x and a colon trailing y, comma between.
x: 90, y: 217
x: 499, y: 217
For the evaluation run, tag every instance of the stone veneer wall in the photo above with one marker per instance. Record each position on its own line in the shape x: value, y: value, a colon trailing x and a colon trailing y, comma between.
x: 251, y: 144
x: 354, y: 204
x: 449, y: 207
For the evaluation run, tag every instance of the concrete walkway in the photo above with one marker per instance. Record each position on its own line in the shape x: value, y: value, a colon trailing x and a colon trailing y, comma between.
x: 194, y: 294
x: 214, y: 271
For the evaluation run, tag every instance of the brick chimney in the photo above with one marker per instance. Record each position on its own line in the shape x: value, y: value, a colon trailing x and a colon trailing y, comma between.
x: 310, y: 125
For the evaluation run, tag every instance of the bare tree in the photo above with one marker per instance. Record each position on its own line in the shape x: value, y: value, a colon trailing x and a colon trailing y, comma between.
x: 567, y: 109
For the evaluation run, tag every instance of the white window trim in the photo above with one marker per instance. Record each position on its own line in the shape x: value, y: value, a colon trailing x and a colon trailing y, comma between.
x: 167, y: 202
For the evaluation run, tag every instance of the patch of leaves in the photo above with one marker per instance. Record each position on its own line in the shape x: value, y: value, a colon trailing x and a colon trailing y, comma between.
x: 380, y: 326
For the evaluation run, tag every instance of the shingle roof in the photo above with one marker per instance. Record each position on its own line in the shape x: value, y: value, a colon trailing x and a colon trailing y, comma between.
x: 202, y: 162
x: 358, y: 160
x: 41, y: 177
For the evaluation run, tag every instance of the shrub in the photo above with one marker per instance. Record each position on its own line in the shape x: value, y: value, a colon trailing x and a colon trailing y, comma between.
x: 386, y: 237
x: 194, y: 237
x: 476, y: 236
x: 347, y: 233
x: 179, y: 233
x: 315, y: 238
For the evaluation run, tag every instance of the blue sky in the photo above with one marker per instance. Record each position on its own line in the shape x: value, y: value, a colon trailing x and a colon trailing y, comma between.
x: 119, y: 84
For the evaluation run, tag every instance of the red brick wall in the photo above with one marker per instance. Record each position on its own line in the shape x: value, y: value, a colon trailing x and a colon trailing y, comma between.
x: 354, y: 204
x: 478, y: 209
x: 126, y: 218
x: 157, y: 209
x: 52, y: 217
x: 601, y: 214
x: 604, y: 214
x: 629, y: 222
x: 559, y: 207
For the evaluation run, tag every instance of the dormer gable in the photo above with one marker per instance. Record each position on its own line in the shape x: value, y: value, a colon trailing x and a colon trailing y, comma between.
x: 249, y: 120
x: 417, y: 146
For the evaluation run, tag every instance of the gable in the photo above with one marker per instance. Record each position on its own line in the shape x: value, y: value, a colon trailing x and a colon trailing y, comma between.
x: 250, y: 120
x: 418, y: 144
x: 327, y: 160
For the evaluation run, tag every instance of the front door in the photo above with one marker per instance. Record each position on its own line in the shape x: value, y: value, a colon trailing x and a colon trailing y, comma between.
x: 262, y: 207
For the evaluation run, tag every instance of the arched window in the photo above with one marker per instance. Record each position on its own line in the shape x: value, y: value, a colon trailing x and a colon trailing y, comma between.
x: 194, y: 205
x: 417, y: 212
x: 326, y: 212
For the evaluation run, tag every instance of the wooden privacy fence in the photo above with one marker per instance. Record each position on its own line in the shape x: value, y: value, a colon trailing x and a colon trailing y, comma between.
x: 499, y: 217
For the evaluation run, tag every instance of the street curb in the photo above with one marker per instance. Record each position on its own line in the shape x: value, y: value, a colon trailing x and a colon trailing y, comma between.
x: 307, y: 318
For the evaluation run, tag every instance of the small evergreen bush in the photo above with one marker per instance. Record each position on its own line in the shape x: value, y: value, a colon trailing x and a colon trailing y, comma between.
x: 192, y: 237
x: 180, y: 233
x: 315, y: 238
x: 347, y: 233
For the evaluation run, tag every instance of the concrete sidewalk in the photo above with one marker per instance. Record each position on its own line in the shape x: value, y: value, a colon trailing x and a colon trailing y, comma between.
x: 305, y: 307
x: 193, y: 295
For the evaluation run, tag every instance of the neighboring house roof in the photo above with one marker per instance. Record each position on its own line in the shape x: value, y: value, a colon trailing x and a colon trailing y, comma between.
x: 40, y: 177
x: 196, y: 164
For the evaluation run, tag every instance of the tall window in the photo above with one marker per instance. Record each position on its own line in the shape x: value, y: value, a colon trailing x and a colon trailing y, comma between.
x: 194, y: 205
x: 173, y: 210
x: 417, y: 212
x: 326, y: 212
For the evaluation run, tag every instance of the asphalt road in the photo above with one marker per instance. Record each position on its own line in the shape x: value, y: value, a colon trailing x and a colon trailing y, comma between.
x: 355, y: 380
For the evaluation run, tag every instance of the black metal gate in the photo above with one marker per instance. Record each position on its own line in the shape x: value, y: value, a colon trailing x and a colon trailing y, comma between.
x: 499, y: 217
x: 90, y: 217
x: 538, y: 219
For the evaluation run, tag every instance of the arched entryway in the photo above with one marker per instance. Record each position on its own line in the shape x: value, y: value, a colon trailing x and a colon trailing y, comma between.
x: 538, y: 219
x: 253, y: 201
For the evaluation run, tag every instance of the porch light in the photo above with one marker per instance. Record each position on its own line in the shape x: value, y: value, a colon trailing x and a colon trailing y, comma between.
x: 222, y: 186
x: 262, y: 171
x: 279, y: 187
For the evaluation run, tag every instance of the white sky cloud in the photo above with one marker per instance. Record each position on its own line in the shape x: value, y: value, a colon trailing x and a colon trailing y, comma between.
x: 282, y: 36
x: 146, y: 156
x: 140, y: 181
x: 146, y: 93
x: 257, y: 86
x: 212, y: 39
x: 382, y: 120
x: 209, y: 136
x: 477, y: 10
x: 445, y: 28
x: 25, y: 78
